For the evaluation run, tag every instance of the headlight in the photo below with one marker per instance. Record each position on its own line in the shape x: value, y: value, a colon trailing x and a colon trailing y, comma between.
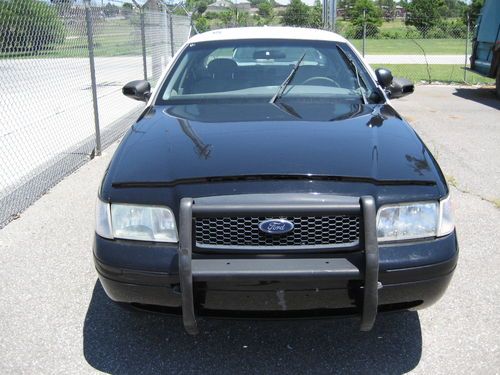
x: 414, y: 220
x: 135, y: 222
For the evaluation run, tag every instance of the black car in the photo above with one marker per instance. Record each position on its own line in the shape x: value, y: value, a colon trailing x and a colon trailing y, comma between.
x: 269, y: 176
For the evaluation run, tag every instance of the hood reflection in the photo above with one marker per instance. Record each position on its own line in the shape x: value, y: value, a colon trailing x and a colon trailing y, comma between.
x: 303, y: 110
x: 419, y: 165
x: 203, y: 150
x: 381, y: 114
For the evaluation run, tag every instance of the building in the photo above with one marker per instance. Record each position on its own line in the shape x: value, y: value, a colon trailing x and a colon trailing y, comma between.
x: 220, y: 6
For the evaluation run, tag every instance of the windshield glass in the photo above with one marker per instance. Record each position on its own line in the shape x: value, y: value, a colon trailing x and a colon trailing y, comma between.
x: 254, y: 69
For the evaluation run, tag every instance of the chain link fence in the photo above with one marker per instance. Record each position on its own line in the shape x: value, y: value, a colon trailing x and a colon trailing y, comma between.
x: 62, y: 66
x: 422, y: 53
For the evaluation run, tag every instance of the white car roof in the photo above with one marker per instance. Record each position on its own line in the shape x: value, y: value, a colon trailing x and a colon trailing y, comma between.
x: 267, y: 32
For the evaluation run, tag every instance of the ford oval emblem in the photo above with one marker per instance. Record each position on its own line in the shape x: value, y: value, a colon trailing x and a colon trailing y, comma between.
x: 276, y: 226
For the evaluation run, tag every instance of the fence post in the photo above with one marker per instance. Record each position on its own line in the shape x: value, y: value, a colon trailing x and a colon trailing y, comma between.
x: 165, y: 34
x: 143, y: 42
x: 171, y: 32
x: 364, y: 31
x: 466, y: 47
x: 90, y: 41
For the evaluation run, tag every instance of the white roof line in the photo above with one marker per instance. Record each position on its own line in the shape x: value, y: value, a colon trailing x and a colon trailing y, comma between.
x: 267, y: 32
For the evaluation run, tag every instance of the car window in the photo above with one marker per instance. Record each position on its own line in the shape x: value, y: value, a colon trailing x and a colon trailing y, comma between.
x: 229, y: 70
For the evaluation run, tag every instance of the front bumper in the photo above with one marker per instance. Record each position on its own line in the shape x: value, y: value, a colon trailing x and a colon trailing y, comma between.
x: 400, y: 276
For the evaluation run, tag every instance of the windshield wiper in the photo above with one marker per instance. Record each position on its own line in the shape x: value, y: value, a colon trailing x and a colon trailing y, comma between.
x: 354, y: 69
x: 287, y: 80
x: 287, y: 109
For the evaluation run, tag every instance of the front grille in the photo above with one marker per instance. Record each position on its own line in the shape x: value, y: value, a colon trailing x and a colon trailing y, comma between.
x: 325, y: 231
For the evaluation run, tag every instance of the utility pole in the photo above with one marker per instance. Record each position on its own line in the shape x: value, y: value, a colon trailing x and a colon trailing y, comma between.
x: 325, y: 14
x: 333, y: 14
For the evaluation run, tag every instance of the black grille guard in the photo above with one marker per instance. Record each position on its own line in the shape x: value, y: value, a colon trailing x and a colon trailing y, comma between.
x: 277, y: 204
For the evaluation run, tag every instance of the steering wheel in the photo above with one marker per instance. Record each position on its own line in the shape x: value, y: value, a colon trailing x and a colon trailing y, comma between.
x: 324, y: 79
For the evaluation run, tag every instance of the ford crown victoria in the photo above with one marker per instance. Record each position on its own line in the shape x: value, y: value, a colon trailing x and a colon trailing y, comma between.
x: 269, y: 176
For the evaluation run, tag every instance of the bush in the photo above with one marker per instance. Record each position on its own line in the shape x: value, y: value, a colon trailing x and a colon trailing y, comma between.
x: 356, y: 31
x: 29, y: 26
x: 403, y: 33
x: 454, y: 29
x: 446, y: 30
x: 392, y: 34
x: 202, y: 24
x: 211, y: 15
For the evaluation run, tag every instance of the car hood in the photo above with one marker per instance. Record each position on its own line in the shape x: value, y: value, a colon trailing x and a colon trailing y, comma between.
x: 192, y: 142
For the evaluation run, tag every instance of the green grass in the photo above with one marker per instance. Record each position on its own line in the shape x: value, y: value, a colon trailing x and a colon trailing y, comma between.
x: 393, y: 25
x: 111, y: 38
x: 409, y: 47
x: 438, y: 73
x: 120, y: 37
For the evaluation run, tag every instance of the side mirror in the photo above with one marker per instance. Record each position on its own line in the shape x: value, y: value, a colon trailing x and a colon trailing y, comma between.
x: 384, y: 77
x: 400, y: 87
x: 138, y: 90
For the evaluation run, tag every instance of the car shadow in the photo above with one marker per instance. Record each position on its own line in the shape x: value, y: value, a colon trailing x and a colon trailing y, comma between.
x: 117, y: 341
x: 483, y: 95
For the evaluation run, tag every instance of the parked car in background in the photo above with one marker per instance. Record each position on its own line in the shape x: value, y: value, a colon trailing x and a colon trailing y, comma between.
x: 485, y: 57
x: 269, y: 176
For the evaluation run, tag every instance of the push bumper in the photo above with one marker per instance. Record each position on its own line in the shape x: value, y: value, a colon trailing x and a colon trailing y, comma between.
x: 402, y: 276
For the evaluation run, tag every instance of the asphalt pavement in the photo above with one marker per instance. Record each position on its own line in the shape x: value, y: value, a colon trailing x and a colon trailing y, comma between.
x: 56, y: 319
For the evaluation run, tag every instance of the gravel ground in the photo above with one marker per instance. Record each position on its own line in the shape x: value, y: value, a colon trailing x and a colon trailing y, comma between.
x: 55, y: 317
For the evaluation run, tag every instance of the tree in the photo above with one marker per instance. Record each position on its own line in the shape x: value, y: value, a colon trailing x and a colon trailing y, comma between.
x: 404, y: 3
x: 424, y: 14
x: 347, y: 6
x: 316, y: 15
x: 296, y: 14
x: 473, y: 11
x: 453, y: 8
x: 110, y: 10
x: 29, y: 26
x: 201, y: 7
x: 255, y: 3
x: 265, y: 9
x: 388, y: 7
x: 365, y: 11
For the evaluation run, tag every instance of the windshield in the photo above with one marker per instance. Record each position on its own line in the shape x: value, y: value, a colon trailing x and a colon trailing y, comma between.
x: 254, y: 69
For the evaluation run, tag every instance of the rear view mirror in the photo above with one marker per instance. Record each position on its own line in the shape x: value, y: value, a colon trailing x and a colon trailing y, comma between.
x: 138, y: 90
x: 400, y: 87
x: 269, y: 55
x: 384, y: 77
